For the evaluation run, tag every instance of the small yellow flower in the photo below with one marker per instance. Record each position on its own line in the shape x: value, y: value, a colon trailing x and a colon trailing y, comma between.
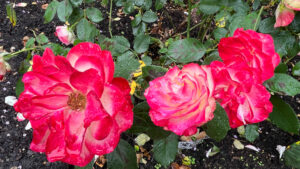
x: 221, y: 23
x: 30, y: 68
x: 132, y: 87
x: 298, y: 142
x: 138, y: 72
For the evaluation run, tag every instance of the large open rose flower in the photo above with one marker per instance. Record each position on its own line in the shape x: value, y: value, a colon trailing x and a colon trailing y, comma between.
x: 255, y: 50
x: 76, y: 107
x: 237, y: 89
x: 182, y: 100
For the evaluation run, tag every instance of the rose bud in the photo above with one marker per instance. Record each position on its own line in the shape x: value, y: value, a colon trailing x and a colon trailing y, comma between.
x: 65, y: 35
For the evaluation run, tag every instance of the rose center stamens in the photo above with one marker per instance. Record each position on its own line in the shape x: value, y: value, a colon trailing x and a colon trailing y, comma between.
x: 76, y: 101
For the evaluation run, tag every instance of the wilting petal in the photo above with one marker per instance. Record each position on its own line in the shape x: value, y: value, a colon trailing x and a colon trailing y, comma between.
x: 292, y: 4
x: 284, y: 16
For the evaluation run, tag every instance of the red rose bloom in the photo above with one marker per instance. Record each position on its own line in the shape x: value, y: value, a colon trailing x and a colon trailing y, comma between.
x: 182, y: 100
x: 251, y: 48
x: 237, y: 89
x: 75, y: 106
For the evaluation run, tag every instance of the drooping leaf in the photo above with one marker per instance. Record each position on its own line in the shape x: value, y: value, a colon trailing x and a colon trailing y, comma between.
x: 283, y: 84
x: 123, y: 157
x: 218, y: 127
x: 125, y: 65
x: 284, y: 116
x: 178, y: 50
x: 165, y: 149
x: 11, y: 13
x: 251, y: 132
x: 50, y: 11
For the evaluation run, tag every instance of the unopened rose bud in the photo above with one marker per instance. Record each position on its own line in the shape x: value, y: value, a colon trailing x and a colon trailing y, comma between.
x: 65, y: 35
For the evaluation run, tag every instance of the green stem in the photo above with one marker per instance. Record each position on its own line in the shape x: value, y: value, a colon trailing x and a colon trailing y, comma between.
x: 8, y: 56
x: 289, y: 59
x: 258, y: 17
x: 189, y: 19
x: 195, y: 26
x: 109, y: 23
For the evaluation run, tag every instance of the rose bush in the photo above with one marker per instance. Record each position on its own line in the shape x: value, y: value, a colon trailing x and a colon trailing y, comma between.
x: 76, y: 107
x: 182, y: 100
x: 65, y: 35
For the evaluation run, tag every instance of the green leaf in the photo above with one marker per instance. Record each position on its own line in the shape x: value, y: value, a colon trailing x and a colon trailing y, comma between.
x: 19, y: 87
x: 140, y: 29
x: 137, y: 20
x: 85, y: 30
x: 149, y: 16
x: 283, y: 41
x: 42, y: 38
x: 89, y: 1
x: 139, y: 2
x: 212, y: 57
x: 220, y: 33
x: 76, y: 15
x: 281, y: 68
x: 292, y: 155
x: 283, y: 84
x: 160, y: 4
x: 11, y: 13
x: 76, y: 3
x: 267, y: 25
x: 123, y: 157
x: 283, y: 116
x: 295, y: 25
x: 120, y: 45
x: 125, y: 65
x: 129, y: 6
x: 50, y: 11
x: 251, y: 132
x: 88, y: 166
x: 143, y: 124
x: 147, y: 4
x: 94, y: 14
x: 186, y: 50
x: 141, y: 43
x: 64, y: 10
x: 152, y: 72
x: 296, y: 69
x: 256, y: 4
x: 218, y: 127
x: 30, y: 43
x: 165, y: 149
x: 147, y: 60
x: 209, y: 9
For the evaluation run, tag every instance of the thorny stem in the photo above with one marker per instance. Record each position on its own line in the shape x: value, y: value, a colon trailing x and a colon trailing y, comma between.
x: 109, y: 23
x: 258, y: 17
x: 189, y: 19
